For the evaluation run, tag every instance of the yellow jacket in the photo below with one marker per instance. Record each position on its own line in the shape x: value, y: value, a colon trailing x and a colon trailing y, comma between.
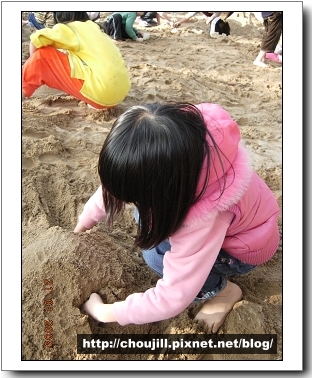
x: 93, y: 57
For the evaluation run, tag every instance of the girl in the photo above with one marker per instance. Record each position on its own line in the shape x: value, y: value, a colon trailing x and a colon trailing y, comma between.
x: 91, y: 69
x: 203, y: 214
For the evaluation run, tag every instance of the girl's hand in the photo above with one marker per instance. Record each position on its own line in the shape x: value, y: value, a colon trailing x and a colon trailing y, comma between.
x: 99, y: 311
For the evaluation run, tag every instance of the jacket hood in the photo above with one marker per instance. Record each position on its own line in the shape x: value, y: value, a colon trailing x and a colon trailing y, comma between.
x: 236, y: 173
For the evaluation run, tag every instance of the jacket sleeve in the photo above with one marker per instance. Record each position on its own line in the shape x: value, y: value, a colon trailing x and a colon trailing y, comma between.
x: 93, y: 211
x: 194, y: 250
x: 59, y: 37
x: 130, y: 30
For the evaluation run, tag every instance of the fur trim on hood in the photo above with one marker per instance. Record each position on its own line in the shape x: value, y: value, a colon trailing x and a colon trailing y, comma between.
x: 235, y: 160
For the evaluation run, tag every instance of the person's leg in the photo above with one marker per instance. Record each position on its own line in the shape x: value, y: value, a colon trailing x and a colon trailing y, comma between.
x: 272, y: 34
x: 222, y: 27
x: 51, y: 67
x: 219, y: 294
x: 226, y: 28
x: 115, y: 24
x: 215, y: 310
x: 259, y: 61
x: 218, y: 28
x: 154, y: 257
x: 32, y: 20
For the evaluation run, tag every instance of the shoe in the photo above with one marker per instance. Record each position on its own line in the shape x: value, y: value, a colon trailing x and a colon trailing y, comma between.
x: 145, y: 24
x: 148, y: 24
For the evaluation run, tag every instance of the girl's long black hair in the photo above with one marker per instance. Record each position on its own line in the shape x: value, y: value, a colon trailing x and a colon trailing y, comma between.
x: 153, y: 157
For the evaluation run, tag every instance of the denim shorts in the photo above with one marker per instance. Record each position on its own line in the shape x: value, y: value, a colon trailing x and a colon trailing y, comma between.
x: 224, y: 266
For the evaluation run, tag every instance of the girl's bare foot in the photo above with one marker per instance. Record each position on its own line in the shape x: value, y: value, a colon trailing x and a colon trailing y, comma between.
x: 93, y: 306
x: 215, y: 310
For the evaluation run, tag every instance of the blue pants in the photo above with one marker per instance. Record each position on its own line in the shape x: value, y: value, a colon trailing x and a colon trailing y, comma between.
x: 33, y: 22
x: 224, y: 266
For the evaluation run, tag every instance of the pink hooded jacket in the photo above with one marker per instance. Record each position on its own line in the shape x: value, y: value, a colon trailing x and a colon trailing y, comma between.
x: 243, y: 221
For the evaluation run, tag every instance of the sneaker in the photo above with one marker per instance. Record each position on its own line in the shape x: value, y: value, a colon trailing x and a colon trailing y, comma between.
x: 148, y: 24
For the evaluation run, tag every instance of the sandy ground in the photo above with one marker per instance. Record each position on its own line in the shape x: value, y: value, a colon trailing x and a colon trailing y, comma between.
x: 61, y: 140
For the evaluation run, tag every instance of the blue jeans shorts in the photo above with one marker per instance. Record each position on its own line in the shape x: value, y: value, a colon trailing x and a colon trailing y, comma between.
x: 224, y: 266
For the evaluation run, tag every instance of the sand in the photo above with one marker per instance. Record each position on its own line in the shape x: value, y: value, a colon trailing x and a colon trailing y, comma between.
x: 61, y: 140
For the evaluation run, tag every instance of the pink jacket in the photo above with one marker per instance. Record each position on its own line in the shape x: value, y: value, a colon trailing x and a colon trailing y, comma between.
x: 243, y: 221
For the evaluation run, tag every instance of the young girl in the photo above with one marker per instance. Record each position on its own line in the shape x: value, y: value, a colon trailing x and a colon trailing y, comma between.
x: 203, y: 214
x: 91, y: 69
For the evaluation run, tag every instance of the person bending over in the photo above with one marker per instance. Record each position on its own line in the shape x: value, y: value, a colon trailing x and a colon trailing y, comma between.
x: 76, y: 57
x: 119, y: 26
x: 203, y: 215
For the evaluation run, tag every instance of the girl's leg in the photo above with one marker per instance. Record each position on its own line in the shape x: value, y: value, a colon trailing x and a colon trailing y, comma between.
x: 154, y: 257
x: 215, y: 310
x: 51, y: 67
x: 224, y: 266
x: 218, y: 293
x: 221, y: 298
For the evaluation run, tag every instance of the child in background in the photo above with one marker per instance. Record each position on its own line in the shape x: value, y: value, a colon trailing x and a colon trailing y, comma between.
x: 39, y: 20
x: 203, y: 214
x: 91, y: 69
x: 119, y: 26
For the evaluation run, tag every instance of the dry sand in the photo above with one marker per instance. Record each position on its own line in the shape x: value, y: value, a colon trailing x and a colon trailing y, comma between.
x: 61, y: 140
